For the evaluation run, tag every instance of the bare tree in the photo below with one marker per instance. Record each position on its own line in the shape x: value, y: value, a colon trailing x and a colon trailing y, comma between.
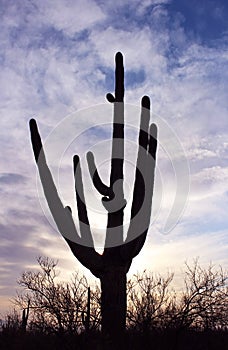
x: 153, y: 303
x: 11, y: 322
x: 55, y: 306
x: 204, y: 301
x: 148, y: 300
x: 112, y: 266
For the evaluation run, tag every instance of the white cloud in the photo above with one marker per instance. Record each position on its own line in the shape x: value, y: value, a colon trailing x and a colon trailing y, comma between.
x: 70, y: 16
x: 170, y: 252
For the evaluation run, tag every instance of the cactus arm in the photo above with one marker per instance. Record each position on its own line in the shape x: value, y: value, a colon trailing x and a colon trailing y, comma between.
x: 62, y: 216
x: 150, y: 170
x: 87, y: 257
x: 84, y: 252
x: 143, y: 187
x: 139, y: 185
x: 36, y: 140
x: 54, y: 202
x: 86, y: 235
x: 140, y: 172
x: 98, y: 184
x: 151, y: 159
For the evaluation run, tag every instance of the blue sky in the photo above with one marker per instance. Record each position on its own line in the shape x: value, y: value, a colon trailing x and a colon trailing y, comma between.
x: 56, y: 58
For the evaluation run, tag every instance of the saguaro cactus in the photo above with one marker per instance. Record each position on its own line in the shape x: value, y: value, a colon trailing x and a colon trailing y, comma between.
x: 86, y: 316
x: 25, y: 314
x: 112, y: 266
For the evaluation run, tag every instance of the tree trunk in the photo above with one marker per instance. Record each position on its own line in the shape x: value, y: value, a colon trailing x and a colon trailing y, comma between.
x: 113, y: 303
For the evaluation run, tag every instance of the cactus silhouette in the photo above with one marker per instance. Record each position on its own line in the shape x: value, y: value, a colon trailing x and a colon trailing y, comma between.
x: 112, y: 266
x: 86, y: 318
x: 25, y: 314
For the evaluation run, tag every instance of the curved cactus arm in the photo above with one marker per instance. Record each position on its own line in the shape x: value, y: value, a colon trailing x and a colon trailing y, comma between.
x: 86, y: 236
x: 62, y: 215
x: 85, y: 254
x: 54, y: 202
x: 88, y: 257
x: 98, y: 184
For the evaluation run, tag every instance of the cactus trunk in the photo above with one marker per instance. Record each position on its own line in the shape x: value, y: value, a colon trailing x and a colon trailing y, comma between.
x: 113, y: 303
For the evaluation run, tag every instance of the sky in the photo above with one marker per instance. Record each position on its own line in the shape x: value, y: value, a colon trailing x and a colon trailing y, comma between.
x: 57, y: 64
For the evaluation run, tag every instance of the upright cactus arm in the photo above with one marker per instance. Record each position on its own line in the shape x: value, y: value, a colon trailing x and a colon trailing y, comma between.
x: 143, y: 187
x: 94, y: 261
x: 149, y: 185
x: 86, y: 236
x: 139, y: 185
x: 62, y: 215
x: 150, y: 169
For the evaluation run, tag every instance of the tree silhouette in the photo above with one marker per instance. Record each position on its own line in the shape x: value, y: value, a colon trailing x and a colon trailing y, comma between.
x: 112, y: 266
x: 55, y: 306
x: 154, y: 303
